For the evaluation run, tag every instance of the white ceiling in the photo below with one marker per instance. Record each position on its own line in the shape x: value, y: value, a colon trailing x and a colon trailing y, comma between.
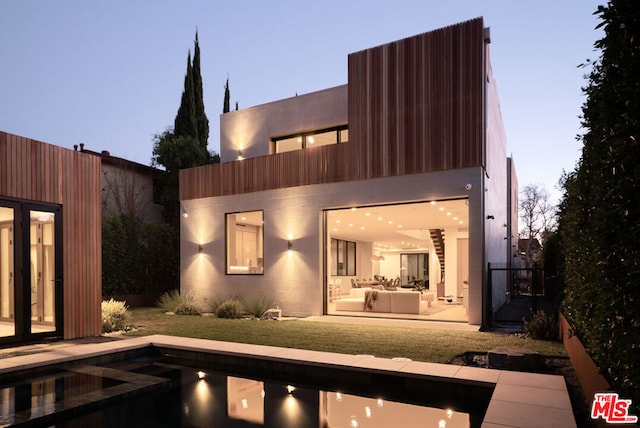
x: 397, y: 227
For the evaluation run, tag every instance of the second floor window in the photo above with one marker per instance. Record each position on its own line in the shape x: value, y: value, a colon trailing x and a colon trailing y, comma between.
x: 306, y: 140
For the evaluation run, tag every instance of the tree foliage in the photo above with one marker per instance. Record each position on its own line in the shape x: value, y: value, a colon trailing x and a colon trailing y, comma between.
x: 538, y: 216
x: 226, y: 107
x: 600, y: 212
x: 138, y: 258
x: 186, y: 145
x: 191, y: 119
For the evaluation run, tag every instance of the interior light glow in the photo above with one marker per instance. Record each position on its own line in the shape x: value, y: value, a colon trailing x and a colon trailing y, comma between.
x: 367, y: 214
x: 380, y: 402
x: 390, y: 222
x: 441, y: 208
x: 442, y: 423
x: 245, y: 403
x: 449, y: 214
x: 367, y: 411
x: 311, y: 140
x: 379, y: 218
x: 353, y: 208
x: 449, y: 413
x: 433, y: 202
x: 338, y: 396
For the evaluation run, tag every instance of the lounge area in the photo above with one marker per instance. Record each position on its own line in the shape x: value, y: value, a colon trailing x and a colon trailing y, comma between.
x: 386, y: 301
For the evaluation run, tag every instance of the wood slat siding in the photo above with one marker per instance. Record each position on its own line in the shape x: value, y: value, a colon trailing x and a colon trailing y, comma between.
x: 35, y: 171
x: 415, y: 106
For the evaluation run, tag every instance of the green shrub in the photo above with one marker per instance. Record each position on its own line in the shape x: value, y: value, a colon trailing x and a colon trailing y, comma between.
x: 541, y: 326
x: 230, y: 309
x: 256, y: 305
x: 114, y: 316
x: 173, y: 301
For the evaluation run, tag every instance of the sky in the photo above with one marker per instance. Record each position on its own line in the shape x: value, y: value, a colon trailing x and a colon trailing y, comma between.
x: 110, y: 74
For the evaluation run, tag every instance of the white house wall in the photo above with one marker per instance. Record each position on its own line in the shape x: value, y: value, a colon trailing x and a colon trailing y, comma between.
x: 294, y: 279
x: 250, y: 130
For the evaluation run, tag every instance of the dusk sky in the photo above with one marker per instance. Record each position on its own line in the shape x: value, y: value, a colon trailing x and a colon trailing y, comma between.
x: 110, y: 73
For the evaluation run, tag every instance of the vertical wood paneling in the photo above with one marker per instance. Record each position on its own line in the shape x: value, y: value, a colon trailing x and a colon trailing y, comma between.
x: 415, y: 106
x: 35, y: 171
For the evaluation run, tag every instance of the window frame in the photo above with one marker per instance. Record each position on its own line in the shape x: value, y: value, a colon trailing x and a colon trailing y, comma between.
x: 338, y: 130
x: 259, y: 236
x: 346, y: 257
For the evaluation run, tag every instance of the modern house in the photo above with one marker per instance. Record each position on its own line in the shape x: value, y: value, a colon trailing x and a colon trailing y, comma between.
x: 387, y: 196
x: 50, y: 242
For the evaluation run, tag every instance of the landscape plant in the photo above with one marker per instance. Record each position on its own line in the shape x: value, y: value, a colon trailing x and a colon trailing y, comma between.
x: 256, y: 304
x: 231, y: 308
x: 180, y: 304
x: 115, y: 316
x: 600, y: 212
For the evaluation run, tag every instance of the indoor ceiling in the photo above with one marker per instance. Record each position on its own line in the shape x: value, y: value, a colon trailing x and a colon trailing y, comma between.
x: 397, y: 227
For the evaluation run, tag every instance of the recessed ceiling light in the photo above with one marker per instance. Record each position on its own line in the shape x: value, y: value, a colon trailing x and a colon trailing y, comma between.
x: 433, y: 202
x: 367, y: 214
x: 441, y: 208
x: 361, y: 227
x: 399, y: 225
x: 338, y: 221
x: 390, y: 222
x: 379, y: 218
x: 353, y: 208
x: 448, y: 213
x: 350, y: 224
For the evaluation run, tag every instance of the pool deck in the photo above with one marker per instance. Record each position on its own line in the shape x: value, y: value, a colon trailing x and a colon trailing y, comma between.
x: 519, y: 399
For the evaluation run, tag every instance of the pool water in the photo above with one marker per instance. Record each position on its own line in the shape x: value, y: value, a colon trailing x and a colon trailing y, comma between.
x: 163, y: 391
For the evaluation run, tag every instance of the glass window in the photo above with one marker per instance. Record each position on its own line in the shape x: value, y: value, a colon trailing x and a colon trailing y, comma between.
x: 415, y: 269
x: 288, y: 144
x: 245, y: 252
x: 315, y: 138
x: 343, y: 257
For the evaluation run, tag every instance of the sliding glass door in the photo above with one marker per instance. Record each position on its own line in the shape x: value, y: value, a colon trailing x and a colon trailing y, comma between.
x: 43, y: 272
x: 7, y: 298
x: 30, y: 270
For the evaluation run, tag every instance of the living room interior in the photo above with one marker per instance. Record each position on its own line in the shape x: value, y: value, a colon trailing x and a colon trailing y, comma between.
x: 407, y: 260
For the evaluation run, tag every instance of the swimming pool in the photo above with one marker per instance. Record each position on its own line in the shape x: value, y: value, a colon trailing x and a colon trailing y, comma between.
x: 330, y: 389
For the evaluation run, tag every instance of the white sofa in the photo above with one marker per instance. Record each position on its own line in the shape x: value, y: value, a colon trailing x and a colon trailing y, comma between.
x: 399, y: 301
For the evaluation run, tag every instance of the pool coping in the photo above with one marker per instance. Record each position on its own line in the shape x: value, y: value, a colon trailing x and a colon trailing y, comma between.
x: 519, y: 399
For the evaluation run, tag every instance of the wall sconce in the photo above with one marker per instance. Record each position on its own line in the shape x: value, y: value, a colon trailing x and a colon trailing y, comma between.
x: 289, y: 243
x: 240, y: 156
x: 200, y: 249
x: 184, y: 213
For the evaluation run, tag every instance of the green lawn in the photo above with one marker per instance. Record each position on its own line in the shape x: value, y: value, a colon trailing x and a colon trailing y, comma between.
x: 437, y: 346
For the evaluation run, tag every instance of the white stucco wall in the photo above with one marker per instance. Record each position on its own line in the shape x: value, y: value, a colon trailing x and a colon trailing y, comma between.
x: 250, y: 130
x: 294, y: 280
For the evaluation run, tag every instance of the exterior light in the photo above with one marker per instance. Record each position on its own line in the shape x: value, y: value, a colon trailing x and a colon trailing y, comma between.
x: 200, y: 248
x: 289, y: 243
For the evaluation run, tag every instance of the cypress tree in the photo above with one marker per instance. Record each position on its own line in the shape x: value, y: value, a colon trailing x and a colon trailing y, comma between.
x: 191, y: 119
x: 227, y: 98
x: 202, y: 123
x: 185, y: 124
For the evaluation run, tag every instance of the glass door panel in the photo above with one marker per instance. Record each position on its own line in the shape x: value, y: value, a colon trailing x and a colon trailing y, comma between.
x: 7, y: 300
x: 42, y: 263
